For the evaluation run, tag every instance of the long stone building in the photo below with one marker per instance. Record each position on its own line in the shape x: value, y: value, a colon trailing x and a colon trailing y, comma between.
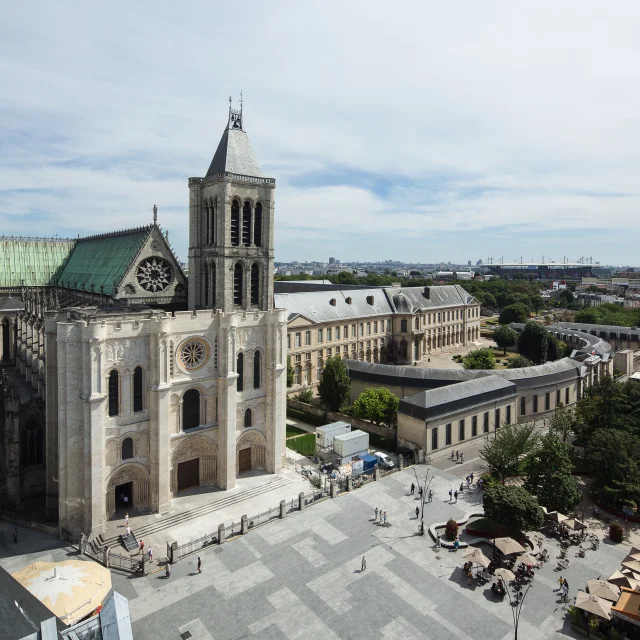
x: 130, y: 386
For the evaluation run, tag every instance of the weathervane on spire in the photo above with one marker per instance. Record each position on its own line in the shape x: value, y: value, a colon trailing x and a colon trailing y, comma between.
x: 235, y: 115
x: 155, y: 214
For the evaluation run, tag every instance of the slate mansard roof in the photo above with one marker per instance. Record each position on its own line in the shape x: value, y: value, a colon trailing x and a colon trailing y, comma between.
x: 412, y: 299
x: 437, y: 403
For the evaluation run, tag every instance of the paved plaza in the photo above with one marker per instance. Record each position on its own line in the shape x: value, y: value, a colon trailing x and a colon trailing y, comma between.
x: 301, y: 577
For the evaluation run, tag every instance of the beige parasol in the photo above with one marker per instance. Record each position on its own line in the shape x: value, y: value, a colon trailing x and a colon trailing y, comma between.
x: 508, y: 546
x: 634, y: 565
x: 477, y: 557
x: 556, y: 516
x: 594, y: 604
x: 71, y: 589
x: 603, y: 589
x: 574, y: 524
x: 631, y: 574
x: 527, y: 558
x: 632, y: 556
x: 505, y: 574
x: 623, y: 580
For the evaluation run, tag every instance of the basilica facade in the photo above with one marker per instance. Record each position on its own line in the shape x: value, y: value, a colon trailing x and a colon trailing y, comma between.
x: 150, y: 386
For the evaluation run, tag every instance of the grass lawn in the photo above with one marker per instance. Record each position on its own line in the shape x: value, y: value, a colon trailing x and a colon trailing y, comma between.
x: 294, y: 431
x: 305, y: 445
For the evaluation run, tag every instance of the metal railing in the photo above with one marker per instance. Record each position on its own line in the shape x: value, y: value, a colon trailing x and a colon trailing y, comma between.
x: 195, y: 545
x: 263, y: 518
x: 124, y: 563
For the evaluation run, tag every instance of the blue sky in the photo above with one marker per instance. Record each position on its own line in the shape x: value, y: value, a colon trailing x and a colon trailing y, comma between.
x: 438, y: 131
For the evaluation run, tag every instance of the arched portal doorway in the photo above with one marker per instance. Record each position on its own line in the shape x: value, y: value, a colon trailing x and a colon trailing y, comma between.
x: 250, y: 451
x: 194, y: 463
x: 127, y: 489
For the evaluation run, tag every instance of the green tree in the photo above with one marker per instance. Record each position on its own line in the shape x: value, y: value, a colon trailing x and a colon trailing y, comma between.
x: 378, y: 405
x: 480, y: 359
x: 562, y: 423
x: 290, y: 372
x: 555, y: 348
x: 335, y: 385
x: 505, y: 337
x: 514, y: 313
x: 533, y: 342
x: 490, y: 300
x: 549, y: 475
x: 566, y: 298
x: 508, y: 446
x: 513, y: 507
x: 614, y: 459
x: 520, y: 361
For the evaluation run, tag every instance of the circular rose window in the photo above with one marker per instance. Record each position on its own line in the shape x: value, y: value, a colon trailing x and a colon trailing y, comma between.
x: 193, y: 353
x: 154, y: 274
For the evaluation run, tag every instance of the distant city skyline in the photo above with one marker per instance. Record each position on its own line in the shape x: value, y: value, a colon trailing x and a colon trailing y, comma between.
x: 510, y: 132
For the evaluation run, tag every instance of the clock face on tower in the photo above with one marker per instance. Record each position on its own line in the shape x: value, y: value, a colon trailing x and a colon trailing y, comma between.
x: 154, y: 274
x: 193, y: 353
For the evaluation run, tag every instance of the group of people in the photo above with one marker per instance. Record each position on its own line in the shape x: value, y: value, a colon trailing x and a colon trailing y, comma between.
x: 380, y: 517
x: 563, y: 588
x: 459, y: 456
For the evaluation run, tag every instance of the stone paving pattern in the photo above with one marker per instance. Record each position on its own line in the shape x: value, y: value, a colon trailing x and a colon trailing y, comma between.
x: 301, y: 577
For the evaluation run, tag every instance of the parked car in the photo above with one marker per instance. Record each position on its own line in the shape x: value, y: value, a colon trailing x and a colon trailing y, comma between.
x: 384, y: 460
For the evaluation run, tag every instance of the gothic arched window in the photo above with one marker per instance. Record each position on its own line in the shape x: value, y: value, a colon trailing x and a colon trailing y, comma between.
x: 190, y: 409
x: 205, y: 287
x: 127, y: 448
x: 255, y: 284
x: 240, y: 371
x: 238, y: 275
x: 212, y: 223
x: 248, y: 418
x: 246, y: 223
x: 32, y: 445
x: 114, y: 393
x: 257, y: 370
x: 235, y: 223
x: 257, y: 225
x: 212, y: 285
x: 137, y: 389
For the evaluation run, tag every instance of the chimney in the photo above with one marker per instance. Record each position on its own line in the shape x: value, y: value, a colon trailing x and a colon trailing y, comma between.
x: 427, y: 293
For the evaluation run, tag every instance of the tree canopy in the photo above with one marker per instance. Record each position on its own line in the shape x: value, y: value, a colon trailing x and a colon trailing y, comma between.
x: 480, y: 359
x: 335, y: 385
x: 549, y: 475
x: 533, y: 342
x: 504, y: 337
x: 517, y: 312
x: 378, y: 405
x: 562, y: 422
x: 609, y: 314
x: 507, y: 447
x: 513, y: 507
x: 290, y: 372
x: 519, y: 361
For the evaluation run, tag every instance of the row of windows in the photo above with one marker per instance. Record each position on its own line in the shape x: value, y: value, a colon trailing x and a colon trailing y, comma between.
x: 246, y: 229
x: 438, y: 318
x: 257, y: 371
x: 547, y: 401
x: 462, y: 427
x: 136, y: 392
x: 238, y: 284
x: 32, y: 445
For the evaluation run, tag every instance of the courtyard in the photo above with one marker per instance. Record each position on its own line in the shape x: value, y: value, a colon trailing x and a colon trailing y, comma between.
x: 302, y: 576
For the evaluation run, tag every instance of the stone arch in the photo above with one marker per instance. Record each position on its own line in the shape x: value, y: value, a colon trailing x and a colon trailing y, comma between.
x: 255, y: 441
x: 196, y: 447
x: 133, y: 472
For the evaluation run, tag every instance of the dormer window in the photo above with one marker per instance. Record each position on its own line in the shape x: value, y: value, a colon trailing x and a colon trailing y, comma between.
x: 332, y: 302
x: 348, y: 300
x: 370, y: 300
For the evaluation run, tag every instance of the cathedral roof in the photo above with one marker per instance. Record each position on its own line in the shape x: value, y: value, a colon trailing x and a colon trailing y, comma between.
x: 33, y: 262
x: 102, y: 260
x: 234, y: 153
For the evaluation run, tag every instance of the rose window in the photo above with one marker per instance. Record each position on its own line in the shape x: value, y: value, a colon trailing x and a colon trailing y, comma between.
x: 154, y: 274
x: 194, y: 354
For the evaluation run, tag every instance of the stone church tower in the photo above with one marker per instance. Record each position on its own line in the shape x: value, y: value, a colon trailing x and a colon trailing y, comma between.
x: 231, y: 216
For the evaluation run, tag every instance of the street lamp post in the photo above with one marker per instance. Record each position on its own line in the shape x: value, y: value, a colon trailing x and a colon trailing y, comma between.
x: 516, y: 607
x: 424, y: 496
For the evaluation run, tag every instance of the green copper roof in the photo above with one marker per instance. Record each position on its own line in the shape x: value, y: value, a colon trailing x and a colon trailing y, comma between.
x: 103, y: 260
x: 33, y: 262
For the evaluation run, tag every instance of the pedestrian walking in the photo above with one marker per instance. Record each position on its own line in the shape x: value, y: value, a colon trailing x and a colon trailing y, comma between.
x: 413, y: 488
x: 417, y: 512
x: 126, y: 520
x: 468, y: 482
x: 150, y: 554
x: 469, y: 576
x: 461, y: 487
x: 430, y: 495
x: 15, y: 535
x: 141, y: 547
x: 364, y: 564
x: 462, y: 458
x: 450, y: 494
x: 385, y: 518
x: 375, y: 517
x: 457, y: 455
x: 199, y: 565
x: 420, y: 492
x: 560, y: 583
x: 566, y: 584
x: 565, y: 593
x: 452, y: 454
x: 455, y: 495
x: 167, y: 570
x: 128, y: 530
x: 438, y: 542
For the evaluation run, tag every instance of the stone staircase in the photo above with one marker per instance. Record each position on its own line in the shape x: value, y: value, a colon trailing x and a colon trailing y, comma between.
x: 180, y: 517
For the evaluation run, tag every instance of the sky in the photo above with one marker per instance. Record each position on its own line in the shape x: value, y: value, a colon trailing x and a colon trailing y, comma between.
x: 421, y: 131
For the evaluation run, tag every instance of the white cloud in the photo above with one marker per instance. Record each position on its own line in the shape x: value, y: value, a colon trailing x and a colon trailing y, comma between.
x: 494, y: 114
